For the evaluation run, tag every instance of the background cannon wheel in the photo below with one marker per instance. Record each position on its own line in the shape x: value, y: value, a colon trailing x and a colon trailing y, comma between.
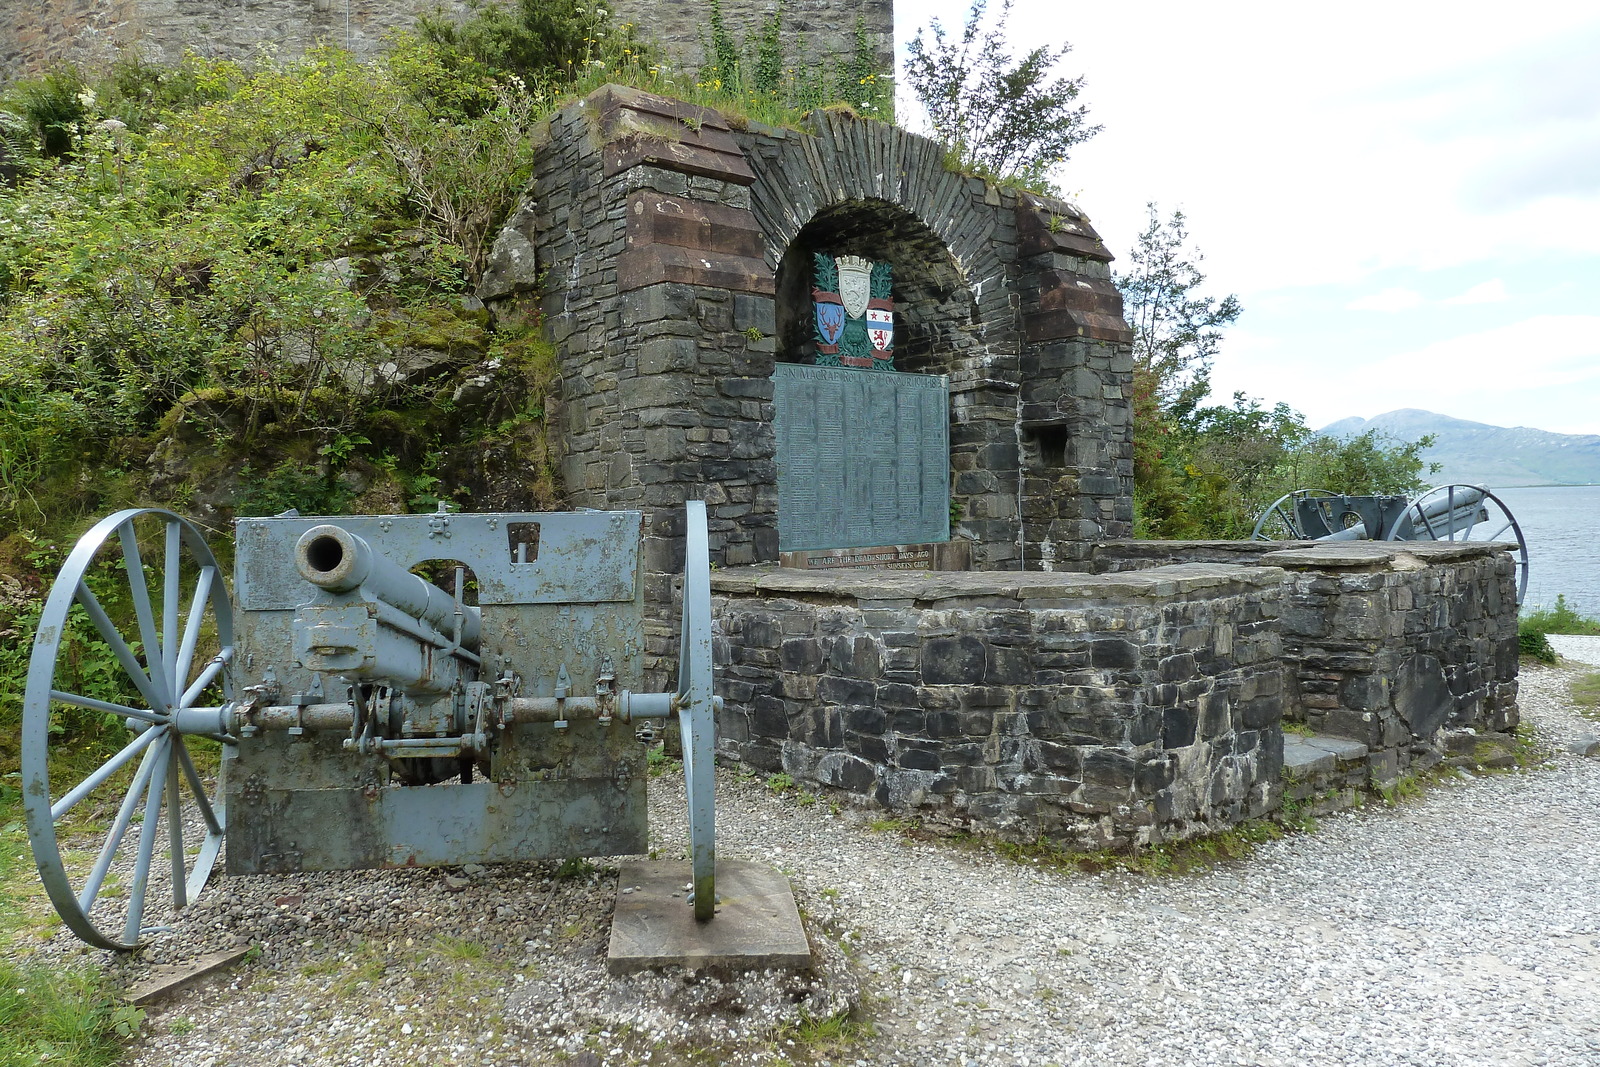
x: 1437, y: 515
x: 166, y: 681
x: 697, y: 709
x: 1280, y: 521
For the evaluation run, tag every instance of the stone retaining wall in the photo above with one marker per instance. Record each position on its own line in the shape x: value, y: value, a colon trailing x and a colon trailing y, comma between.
x: 1128, y: 707
x: 1399, y: 645
x: 1396, y: 644
x: 1094, y: 710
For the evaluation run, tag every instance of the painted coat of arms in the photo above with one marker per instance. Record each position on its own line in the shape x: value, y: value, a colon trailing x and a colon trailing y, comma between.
x: 855, y: 312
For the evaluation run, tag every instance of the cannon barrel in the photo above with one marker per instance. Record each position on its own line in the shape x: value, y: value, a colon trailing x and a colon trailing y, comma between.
x: 332, y: 558
x: 1459, y: 498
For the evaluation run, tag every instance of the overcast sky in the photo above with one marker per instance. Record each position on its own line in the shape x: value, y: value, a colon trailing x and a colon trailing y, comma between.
x: 1405, y: 196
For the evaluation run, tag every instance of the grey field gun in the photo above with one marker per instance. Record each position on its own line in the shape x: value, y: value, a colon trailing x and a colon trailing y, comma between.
x: 1444, y: 513
x: 362, y: 715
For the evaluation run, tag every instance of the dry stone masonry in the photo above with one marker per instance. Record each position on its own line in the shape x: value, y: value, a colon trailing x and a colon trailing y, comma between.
x: 669, y: 255
x: 1095, y: 710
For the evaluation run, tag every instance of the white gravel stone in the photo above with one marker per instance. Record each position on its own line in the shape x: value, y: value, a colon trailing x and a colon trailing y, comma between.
x: 1462, y: 928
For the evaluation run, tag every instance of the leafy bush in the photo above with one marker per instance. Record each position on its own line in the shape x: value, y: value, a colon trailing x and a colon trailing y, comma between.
x: 244, y: 258
x: 1534, y: 624
x: 1531, y: 642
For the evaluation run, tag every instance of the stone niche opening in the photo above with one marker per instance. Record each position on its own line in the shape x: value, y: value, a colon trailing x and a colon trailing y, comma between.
x: 863, y: 452
x: 932, y: 302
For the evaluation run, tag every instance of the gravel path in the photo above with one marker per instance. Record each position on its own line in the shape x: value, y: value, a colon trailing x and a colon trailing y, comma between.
x: 1580, y: 648
x: 1461, y: 928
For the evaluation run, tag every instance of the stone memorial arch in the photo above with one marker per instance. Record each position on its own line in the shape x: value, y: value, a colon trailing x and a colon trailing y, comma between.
x: 670, y: 256
x: 961, y: 359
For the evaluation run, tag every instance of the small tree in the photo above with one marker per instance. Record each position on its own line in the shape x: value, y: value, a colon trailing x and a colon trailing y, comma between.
x: 1001, y: 118
x: 1176, y: 331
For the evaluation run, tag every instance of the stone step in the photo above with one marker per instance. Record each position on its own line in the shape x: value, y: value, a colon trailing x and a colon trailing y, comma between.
x: 1304, y: 756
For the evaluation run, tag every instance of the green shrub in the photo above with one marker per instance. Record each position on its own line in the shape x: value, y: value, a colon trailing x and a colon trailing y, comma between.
x: 1561, y: 619
x: 1534, y: 643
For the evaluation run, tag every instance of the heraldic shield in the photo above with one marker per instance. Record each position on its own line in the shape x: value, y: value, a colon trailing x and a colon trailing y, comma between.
x: 830, y: 320
x: 854, y: 302
x: 880, y: 328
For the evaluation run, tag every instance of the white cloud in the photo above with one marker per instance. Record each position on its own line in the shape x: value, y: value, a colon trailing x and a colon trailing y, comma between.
x: 1547, y: 352
x: 1388, y: 300
x: 1489, y: 292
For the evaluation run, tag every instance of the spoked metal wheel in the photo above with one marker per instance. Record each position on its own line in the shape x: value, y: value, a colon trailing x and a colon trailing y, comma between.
x: 169, y: 679
x: 697, y: 709
x: 1461, y: 512
x: 1280, y: 521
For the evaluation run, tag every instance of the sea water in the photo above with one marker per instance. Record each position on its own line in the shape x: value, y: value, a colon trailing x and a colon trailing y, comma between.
x: 1562, y: 526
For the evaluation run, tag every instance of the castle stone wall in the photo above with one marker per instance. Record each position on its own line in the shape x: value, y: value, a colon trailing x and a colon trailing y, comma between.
x: 37, y: 33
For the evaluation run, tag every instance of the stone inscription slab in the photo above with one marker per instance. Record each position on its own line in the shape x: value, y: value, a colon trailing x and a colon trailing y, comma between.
x: 863, y: 459
x: 940, y: 556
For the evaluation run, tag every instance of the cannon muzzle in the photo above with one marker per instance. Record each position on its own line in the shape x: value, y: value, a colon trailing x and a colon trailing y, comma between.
x: 332, y: 558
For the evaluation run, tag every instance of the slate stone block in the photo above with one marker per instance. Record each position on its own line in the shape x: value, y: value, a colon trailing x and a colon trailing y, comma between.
x: 907, y: 720
x: 1008, y: 666
x: 1178, y: 726
x: 961, y: 660
x: 800, y: 654
x: 836, y: 690
x: 867, y: 746
x: 768, y: 717
x: 1114, y: 653
x: 1179, y: 668
x: 1155, y: 774
x: 919, y: 758
x: 853, y: 774
x: 1260, y: 713
x: 1109, y: 769
x: 819, y: 727
x: 865, y: 720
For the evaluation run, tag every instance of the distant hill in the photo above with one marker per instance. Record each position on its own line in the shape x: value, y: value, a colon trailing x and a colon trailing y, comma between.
x: 1494, y: 456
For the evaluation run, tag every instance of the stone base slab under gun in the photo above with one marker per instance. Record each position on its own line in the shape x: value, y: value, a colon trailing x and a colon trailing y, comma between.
x: 364, y: 716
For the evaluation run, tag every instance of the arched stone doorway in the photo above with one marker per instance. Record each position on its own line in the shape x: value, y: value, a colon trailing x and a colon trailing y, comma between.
x: 862, y: 448
x: 668, y: 230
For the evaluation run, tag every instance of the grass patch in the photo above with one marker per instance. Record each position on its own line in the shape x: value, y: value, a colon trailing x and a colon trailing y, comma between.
x: 1408, y: 787
x: 1586, y: 694
x: 659, y: 763
x: 60, y: 1015
x: 460, y: 949
x: 827, y: 1037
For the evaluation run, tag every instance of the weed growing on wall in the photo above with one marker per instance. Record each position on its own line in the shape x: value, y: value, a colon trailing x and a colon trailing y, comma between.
x: 765, y: 74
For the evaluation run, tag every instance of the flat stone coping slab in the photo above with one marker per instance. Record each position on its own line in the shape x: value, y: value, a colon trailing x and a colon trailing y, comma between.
x: 1175, y: 580
x: 1381, y: 555
x: 170, y: 978
x: 1304, y: 756
x: 756, y: 925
